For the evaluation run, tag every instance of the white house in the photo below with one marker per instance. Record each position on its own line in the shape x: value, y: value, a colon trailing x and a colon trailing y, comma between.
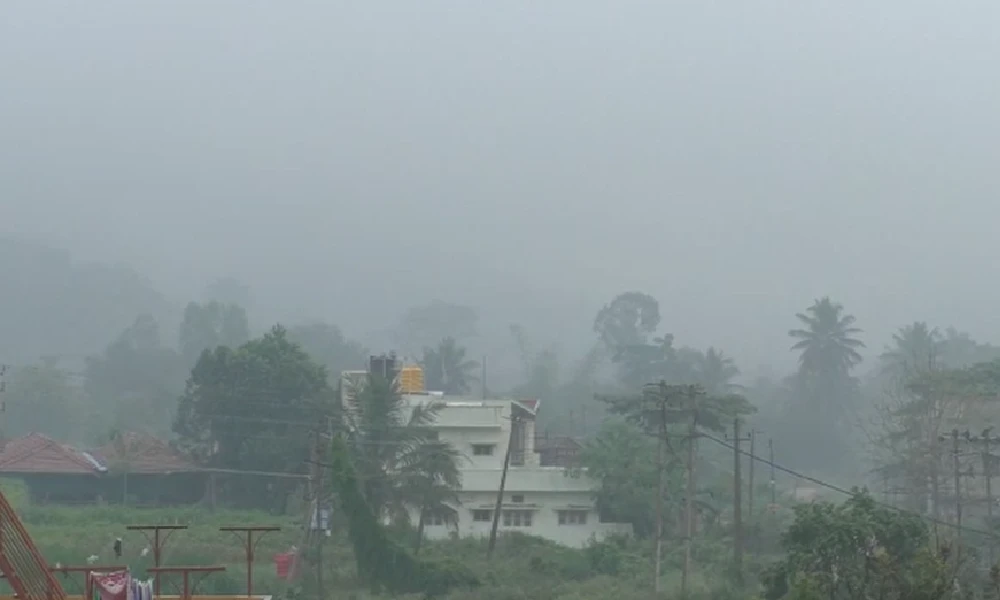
x: 539, y: 498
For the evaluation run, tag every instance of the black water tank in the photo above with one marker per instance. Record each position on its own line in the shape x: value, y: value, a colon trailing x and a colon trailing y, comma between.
x: 384, y: 365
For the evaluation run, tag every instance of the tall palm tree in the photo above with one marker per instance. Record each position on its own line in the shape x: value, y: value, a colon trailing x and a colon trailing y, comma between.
x: 446, y: 369
x: 825, y: 392
x: 429, y: 480
x: 716, y: 372
x: 397, y: 455
x: 827, y: 343
x: 915, y: 348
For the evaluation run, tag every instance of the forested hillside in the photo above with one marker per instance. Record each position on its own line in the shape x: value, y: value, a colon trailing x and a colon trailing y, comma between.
x: 54, y: 305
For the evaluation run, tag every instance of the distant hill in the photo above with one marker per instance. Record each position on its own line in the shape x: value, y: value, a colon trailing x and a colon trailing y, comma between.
x: 53, y: 305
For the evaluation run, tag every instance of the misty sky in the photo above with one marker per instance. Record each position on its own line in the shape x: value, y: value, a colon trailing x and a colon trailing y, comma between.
x: 349, y: 159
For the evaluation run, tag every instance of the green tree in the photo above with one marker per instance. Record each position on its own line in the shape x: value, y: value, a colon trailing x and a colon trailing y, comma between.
x: 858, y: 549
x: 827, y: 344
x: 327, y: 345
x: 915, y: 348
x: 630, y: 319
x: 715, y: 372
x: 134, y: 384
x: 446, y: 369
x: 620, y: 459
x: 429, y: 482
x: 382, y: 563
x: 625, y: 328
x: 424, y: 325
x: 661, y: 412
x: 209, y: 325
x: 396, y: 453
x: 54, y: 303
x: 541, y: 369
x: 252, y: 408
x: 40, y: 398
x: 825, y: 391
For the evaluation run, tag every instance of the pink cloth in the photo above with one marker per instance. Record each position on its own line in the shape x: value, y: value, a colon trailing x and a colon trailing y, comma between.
x: 112, y: 586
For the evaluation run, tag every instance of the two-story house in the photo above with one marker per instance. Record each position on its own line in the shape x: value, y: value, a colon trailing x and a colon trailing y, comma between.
x: 539, y: 498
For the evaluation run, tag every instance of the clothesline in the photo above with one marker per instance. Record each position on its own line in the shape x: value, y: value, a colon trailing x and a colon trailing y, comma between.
x: 119, y: 585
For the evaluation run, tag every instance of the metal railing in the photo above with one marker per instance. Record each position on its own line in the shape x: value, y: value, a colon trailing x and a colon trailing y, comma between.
x: 21, y: 562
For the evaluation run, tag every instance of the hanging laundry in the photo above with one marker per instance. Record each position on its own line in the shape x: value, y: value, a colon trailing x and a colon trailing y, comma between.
x: 111, y: 586
x: 145, y: 589
x: 140, y: 590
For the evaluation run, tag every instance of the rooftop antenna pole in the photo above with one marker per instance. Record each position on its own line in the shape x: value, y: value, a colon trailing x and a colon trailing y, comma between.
x: 484, y: 377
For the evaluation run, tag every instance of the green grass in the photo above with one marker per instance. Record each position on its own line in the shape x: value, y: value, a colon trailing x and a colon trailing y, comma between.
x: 522, y: 568
x: 68, y: 535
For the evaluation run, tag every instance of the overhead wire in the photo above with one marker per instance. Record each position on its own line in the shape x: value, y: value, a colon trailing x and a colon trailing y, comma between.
x: 845, y: 491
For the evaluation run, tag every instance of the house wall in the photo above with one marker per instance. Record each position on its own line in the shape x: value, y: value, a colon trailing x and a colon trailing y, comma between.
x: 544, y: 491
x: 544, y: 508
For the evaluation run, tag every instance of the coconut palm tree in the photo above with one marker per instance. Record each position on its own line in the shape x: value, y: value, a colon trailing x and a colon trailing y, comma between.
x: 446, y: 369
x: 400, y: 461
x: 825, y: 393
x: 429, y: 480
x: 827, y: 343
x: 915, y: 348
x: 716, y: 372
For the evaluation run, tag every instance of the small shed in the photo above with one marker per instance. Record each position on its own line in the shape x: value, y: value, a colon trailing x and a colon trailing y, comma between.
x: 52, y: 471
x: 142, y: 469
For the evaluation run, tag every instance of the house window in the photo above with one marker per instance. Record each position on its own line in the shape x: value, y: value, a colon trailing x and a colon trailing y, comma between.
x: 482, y: 516
x: 517, y: 518
x: 572, y: 517
x: 482, y: 449
x: 434, y: 519
x: 517, y: 498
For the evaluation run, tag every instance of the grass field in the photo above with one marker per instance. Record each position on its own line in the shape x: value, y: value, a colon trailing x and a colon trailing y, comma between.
x: 523, y: 568
x: 69, y: 535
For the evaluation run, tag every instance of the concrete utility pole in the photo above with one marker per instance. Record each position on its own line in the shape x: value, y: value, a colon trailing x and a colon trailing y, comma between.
x: 988, y: 471
x: 318, y: 490
x: 692, y: 400
x: 661, y: 443
x: 957, y: 473
x: 738, y: 501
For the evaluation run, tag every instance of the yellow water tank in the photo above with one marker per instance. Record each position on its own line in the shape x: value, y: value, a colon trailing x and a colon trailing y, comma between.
x: 411, y: 379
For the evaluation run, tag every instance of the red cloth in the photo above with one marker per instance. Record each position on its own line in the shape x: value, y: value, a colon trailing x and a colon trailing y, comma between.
x: 112, y: 586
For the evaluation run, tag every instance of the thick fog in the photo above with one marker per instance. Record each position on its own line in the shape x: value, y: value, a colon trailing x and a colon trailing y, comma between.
x: 348, y: 160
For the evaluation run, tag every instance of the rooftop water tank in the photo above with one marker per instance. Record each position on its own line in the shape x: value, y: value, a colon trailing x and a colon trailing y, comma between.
x: 411, y: 380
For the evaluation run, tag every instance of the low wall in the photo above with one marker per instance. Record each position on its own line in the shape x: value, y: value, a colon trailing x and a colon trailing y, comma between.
x: 165, y: 597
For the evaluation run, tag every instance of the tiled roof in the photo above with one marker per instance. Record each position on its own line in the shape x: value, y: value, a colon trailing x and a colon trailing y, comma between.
x: 142, y: 453
x: 38, y: 453
x: 529, y: 404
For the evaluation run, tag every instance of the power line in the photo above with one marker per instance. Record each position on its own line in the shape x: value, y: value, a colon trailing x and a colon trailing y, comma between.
x: 841, y: 490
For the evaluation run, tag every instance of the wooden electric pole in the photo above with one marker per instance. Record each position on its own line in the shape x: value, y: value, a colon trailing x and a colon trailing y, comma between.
x: 661, y: 444
x: 738, y: 501
x: 774, y: 482
x: 750, y: 488
x: 503, y: 482
x: 988, y: 474
x: 957, y: 473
